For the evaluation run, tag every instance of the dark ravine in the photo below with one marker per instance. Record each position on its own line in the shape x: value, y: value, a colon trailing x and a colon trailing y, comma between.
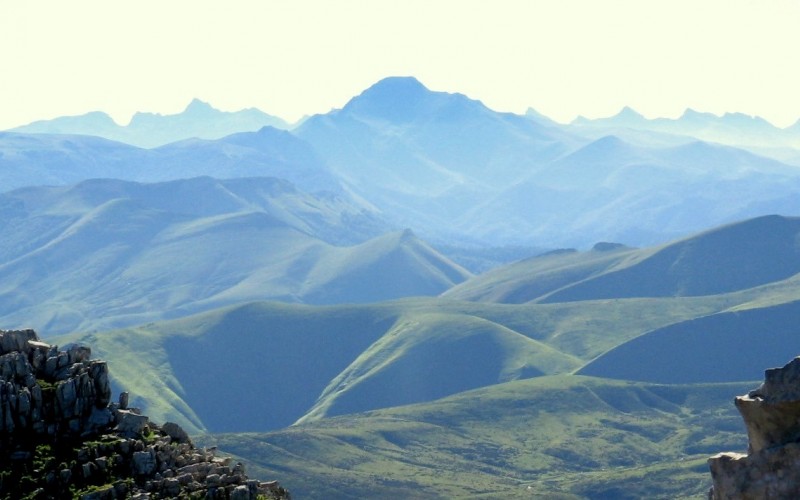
x: 771, y: 467
x: 62, y: 437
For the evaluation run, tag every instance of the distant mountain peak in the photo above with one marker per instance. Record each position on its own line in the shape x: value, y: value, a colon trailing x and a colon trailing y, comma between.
x: 691, y: 114
x: 398, y: 83
x: 197, y: 107
x: 628, y: 112
x: 626, y: 117
x: 538, y: 117
x: 396, y: 98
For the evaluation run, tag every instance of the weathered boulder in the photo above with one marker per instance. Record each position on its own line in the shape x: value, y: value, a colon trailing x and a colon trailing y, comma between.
x: 175, y: 432
x: 771, y: 468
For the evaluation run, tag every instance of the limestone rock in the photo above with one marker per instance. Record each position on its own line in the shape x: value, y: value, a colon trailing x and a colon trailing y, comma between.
x: 771, y: 468
x: 57, y: 403
x: 175, y: 432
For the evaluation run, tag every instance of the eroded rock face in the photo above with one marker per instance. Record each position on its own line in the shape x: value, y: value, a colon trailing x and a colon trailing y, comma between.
x: 771, y: 468
x: 61, y: 438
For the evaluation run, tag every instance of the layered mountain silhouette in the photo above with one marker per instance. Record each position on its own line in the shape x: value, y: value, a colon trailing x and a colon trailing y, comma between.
x: 199, y: 120
x: 109, y: 252
x: 271, y: 270
x: 457, y: 172
x: 47, y: 159
x: 731, y: 128
x: 426, y: 157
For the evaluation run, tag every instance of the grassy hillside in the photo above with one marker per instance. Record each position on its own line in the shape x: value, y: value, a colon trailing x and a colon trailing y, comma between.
x: 735, y: 257
x: 280, y: 362
x: 530, y: 279
x: 427, y: 356
x: 550, y: 437
x: 727, y: 346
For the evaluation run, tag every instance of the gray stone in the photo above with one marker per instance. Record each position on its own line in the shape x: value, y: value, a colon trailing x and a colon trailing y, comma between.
x: 77, y: 353
x: 171, y: 487
x: 240, y: 493
x: 131, y: 424
x: 144, y: 462
x: 175, y: 432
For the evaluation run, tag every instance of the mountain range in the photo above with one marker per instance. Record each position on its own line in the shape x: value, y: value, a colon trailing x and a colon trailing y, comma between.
x: 415, y: 350
x: 148, y: 130
x: 107, y: 253
x: 457, y: 172
x: 621, y: 282
x: 731, y: 128
x: 57, y: 160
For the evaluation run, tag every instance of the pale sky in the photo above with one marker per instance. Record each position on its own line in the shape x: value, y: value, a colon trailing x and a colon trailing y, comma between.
x: 290, y: 58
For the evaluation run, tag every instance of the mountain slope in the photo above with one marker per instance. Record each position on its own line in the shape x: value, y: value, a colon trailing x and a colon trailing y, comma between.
x: 425, y: 157
x: 328, y: 360
x: 726, y: 346
x: 549, y: 437
x: 734, y: 257
x: 426, y: 357
x: 108, y: 253
x: 611, y: 190
x: 529, y: 279
x: 405, y: 265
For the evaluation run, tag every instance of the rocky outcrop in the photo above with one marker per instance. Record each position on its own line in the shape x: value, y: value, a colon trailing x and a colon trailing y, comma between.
x: 771, y: 467
x: 62, y: 437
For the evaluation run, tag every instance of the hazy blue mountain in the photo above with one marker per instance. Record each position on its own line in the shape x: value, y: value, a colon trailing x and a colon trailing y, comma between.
x: 108, y: 252
x: 458, y: 173
x: 611, y: 190
x: 425, y: 157
x: 735, y: 257
x: 268, y: 151
x: 44, y: 159
x: 198, y: 120
x: 95, y: 123
x: 735, y: 129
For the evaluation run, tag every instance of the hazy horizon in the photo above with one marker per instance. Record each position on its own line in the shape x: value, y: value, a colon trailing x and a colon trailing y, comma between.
x: 563, y: 59
x: 127, y: 121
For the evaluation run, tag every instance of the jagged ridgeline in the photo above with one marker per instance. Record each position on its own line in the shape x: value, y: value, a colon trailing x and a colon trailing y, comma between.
x: 62, y: 437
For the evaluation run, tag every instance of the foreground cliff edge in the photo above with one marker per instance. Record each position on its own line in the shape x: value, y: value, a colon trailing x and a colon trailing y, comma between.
x: 771, y: 467
x: 62, y: 437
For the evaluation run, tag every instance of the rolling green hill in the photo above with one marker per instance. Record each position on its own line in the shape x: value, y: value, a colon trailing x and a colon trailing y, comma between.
x: 721, y: 347
x: 549, y: 437
x: 433, y: 397
x: 734, y: 257
x: 280, y: 363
